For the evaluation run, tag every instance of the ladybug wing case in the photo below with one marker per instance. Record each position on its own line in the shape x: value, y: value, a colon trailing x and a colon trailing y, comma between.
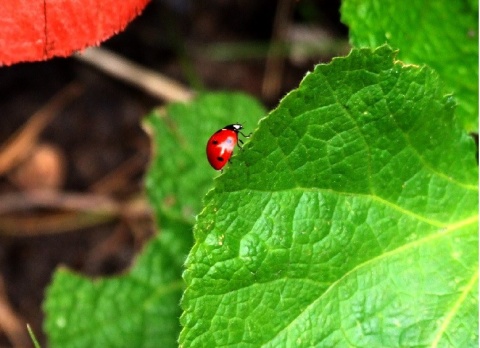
x: 220, y: 147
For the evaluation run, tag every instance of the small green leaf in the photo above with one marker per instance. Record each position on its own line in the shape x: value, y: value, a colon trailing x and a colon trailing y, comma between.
x: 138, y: 309
x: 180, y: 174
x: 351, y: 220
x: 440, y: 33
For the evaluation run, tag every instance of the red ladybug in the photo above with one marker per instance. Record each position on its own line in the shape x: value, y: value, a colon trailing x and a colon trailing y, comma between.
x: 221, y: 144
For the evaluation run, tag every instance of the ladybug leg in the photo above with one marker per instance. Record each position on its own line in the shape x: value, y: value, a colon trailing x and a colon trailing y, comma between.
x: 246, y: 136
x: 240, y: 142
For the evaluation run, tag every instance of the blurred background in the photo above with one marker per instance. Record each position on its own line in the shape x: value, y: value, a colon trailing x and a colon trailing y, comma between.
x: 72, y: 150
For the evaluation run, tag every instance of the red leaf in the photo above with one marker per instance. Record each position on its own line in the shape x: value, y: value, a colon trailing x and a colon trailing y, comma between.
x: 33, y: 30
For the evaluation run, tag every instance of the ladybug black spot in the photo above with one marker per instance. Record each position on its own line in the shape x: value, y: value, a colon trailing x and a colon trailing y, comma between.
x: 220, y: 159
x: 215, y: 142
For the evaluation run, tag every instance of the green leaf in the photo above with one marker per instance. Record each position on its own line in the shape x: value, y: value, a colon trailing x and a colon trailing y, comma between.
x: 350, y: 219
x: 440, y: 33
x: 180, y: 174
x: 138, y: 309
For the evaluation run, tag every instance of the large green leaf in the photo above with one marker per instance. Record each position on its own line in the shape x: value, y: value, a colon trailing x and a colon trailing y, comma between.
x: 350, y: 219
x: 440, y: 33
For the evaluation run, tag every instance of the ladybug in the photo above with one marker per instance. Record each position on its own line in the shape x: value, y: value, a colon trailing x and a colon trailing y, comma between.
x: 221, y: 144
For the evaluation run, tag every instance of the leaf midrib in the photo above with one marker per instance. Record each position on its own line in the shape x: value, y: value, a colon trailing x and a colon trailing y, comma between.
x: 373, y: 197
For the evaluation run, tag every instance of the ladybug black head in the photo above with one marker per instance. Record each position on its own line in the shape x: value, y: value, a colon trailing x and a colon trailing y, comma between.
x: 237, y: 127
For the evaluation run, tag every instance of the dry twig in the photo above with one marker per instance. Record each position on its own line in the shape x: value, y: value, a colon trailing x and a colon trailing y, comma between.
x: 150, y: 81
x: 66, y: 211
